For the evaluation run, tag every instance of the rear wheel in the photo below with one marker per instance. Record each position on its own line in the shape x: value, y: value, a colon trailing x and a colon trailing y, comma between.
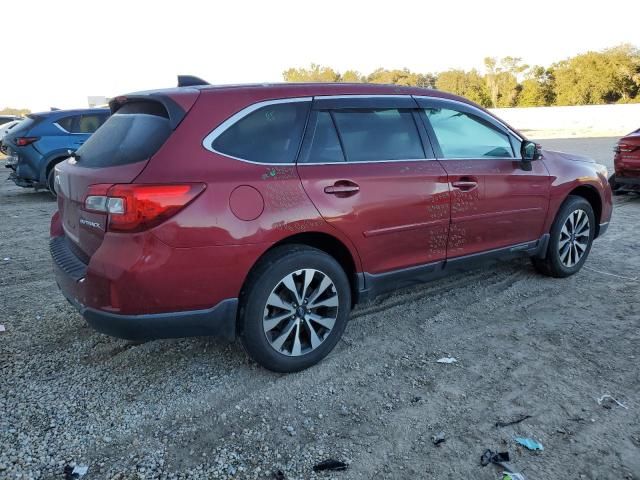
x: 294, y: 308
x: 570, y: 239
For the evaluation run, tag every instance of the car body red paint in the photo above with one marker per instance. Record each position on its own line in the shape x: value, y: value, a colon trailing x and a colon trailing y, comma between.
x: 399, y: 216
x: 626, y: 162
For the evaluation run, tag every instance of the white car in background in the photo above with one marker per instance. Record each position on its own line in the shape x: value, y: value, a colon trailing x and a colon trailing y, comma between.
x: 5, y: 128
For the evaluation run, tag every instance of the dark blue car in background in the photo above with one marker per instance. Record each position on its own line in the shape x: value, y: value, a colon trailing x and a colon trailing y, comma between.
x: 42, y: 140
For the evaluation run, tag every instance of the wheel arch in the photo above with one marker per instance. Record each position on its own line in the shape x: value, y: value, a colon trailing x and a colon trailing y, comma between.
x: 591, y: 195
x: 325, y: 242
x: 51, y: 161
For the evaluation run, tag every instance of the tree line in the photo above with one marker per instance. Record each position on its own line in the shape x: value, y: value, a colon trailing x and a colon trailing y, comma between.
x: 611, y: 75
x: 20, y: 112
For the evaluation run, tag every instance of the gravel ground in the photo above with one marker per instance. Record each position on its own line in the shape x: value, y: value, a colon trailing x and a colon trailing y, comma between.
x: 194, y: 408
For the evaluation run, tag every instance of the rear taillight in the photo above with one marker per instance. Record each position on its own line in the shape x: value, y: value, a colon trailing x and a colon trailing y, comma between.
x: 625, y: 148
x: 136, y: 207
x: 24, y: 141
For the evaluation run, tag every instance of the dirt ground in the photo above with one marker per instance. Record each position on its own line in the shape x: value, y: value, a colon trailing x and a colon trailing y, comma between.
x: 194, y: 408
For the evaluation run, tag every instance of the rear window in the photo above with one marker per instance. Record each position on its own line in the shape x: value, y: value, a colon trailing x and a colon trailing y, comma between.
x: 270, y: 134
x: 134, y: 133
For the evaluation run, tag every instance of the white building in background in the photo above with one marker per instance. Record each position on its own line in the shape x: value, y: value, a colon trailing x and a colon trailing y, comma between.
x: 97, y: 101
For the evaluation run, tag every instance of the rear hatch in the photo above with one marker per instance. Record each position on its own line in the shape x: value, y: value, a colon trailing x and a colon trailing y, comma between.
x: 115, y: 154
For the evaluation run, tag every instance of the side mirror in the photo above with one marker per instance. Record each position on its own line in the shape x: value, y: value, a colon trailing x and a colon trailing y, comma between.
x: 529, y: 151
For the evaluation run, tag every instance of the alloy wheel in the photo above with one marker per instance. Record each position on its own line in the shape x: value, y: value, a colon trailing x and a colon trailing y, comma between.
x: 574, y: 238
x: 300, y: 312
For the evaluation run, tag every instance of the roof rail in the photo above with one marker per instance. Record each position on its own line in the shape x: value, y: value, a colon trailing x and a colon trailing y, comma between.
x: 190, y: 81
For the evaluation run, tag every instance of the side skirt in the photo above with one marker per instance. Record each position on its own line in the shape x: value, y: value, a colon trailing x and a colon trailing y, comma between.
x: 374, y: 284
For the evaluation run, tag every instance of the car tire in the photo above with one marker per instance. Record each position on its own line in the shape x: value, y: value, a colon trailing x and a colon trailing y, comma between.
x: 568, y: 249
x: 51, y: 181
x: 287, y: 331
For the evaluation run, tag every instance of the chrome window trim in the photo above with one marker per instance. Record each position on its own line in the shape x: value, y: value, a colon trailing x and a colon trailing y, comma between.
x: 207, y: 142
x: 60, y: 127
x: 360, y: 95
x: 368, y: 161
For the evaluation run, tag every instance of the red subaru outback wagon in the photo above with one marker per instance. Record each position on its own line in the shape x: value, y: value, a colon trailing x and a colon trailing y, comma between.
x: 265, y: 212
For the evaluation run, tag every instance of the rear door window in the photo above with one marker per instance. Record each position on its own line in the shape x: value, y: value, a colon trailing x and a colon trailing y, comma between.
x: 463, y: 135
x: 88, y: 123
x: 270, y: 134
x: 134, y: 133
x: 370, y: 135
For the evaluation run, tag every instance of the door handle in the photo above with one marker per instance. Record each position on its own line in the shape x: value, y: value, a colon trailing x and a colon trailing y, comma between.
x: 465, y: 184
x: 342, y: 188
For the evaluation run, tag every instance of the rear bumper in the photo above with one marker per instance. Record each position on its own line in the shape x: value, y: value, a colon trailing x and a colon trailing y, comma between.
x: 627, y: 180
x: 218, y: 321
x: 603, y: 227
x: 90, y: 295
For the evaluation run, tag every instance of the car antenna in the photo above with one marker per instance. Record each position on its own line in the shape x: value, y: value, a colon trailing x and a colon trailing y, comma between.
x: 190, y: 81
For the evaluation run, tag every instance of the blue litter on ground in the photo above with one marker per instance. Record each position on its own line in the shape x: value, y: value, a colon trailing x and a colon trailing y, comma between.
x: 530, y: 443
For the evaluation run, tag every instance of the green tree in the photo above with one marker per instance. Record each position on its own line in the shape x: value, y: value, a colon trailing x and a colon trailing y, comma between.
x: 537, y: 88
x: 598, y: 77
x: 502, y: 80
x: 403, y: 77
x: 352, y: 76
x: 467, y: 84
x: 315, y: 73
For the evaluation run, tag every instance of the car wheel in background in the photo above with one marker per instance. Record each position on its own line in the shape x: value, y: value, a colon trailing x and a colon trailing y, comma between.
x: 51, y: 181
x: 294, y: 308
x: 570, y: 239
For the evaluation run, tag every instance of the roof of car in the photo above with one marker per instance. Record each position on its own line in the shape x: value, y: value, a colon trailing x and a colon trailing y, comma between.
x: 309, y: 89
x: 335, y: 89
x: 75, y: 111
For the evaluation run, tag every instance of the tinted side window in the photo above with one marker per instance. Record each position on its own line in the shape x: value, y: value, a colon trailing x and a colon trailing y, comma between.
x: 270, y: 134
x: 375, y: 135
x: 462, y: 135
x: 325, y: 147
x: 66, y: 123
x: 88, y: 123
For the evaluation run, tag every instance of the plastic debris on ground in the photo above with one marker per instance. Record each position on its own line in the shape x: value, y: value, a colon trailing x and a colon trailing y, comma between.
x: 2, y: 329
x: 330, y: 465
x: 512, y: 476
x: 438, y: 438
x: 447, y: 360
x: 530, y: 443
x: 71, y: 473
x: 607, y: 401
x: 493, y: 457
x: 501, y: 459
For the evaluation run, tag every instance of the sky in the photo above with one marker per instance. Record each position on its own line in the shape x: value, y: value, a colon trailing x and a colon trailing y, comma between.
x: 62, y: 51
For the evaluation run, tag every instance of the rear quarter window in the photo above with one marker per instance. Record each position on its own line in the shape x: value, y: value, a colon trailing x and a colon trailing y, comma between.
x: 134, y: 133
x: 270, y: 134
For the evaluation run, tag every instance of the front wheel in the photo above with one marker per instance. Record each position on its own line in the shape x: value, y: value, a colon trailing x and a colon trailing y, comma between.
x: 294, y: 308
x: 570, y: 239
